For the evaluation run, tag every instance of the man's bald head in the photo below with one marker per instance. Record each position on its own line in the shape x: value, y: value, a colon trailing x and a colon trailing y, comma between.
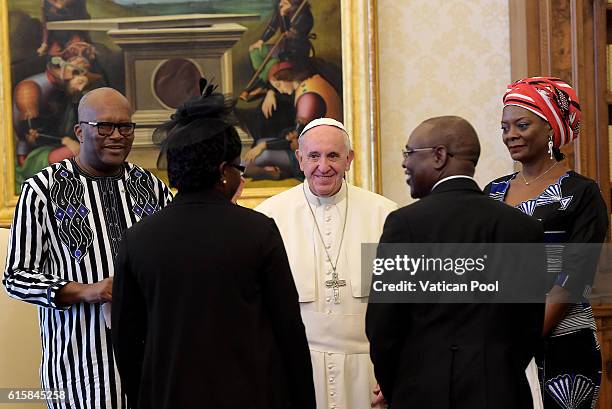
x: 437, y: 148
x: 106, y: 96
x: 104, y: 154
x: 457, y: 134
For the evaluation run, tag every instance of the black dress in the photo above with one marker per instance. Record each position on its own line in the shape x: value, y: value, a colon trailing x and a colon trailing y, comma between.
x: 569, y: 361
x: 205, y: 311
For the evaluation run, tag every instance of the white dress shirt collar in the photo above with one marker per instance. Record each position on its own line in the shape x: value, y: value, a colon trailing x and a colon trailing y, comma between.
x: 318, y: 200
x: 452, y: 177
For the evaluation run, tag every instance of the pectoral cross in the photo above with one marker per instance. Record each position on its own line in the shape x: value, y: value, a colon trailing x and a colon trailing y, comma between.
x: 335, y: 284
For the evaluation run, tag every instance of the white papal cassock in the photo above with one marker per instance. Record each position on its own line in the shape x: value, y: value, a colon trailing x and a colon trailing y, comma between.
x: 343, y: 372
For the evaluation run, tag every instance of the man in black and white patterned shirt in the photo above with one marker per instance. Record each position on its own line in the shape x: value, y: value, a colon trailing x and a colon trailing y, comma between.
x: 65, y: 234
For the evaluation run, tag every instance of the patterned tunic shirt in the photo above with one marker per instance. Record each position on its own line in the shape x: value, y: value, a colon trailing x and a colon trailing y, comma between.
x: 571, y: 211
x: 67, y: 227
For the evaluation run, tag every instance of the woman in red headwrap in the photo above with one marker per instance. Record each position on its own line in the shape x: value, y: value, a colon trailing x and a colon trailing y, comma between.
x: 540, y: 115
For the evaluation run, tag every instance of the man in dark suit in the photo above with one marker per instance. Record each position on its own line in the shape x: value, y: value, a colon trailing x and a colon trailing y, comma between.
x: 205, y: 310
x: 459, y: 356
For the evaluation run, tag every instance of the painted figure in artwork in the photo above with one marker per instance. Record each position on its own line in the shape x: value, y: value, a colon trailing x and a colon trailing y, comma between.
x: 55, y: 60
x: 54, y: 42
x: 44, y: 110
x: 296, y: 88
x: 294, y: 20
x: 314, y: 96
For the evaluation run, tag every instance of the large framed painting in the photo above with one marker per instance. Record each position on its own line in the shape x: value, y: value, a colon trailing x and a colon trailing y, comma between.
x: 285, y: 62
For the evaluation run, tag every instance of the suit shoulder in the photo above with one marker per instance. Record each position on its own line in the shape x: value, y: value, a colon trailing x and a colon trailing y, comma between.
x: 480, y: 203
x: 413, y: 208
x: 251, y: 215
x: 241, y: 215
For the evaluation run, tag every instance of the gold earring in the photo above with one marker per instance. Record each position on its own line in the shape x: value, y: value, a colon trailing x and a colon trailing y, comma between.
x: 224, y: 181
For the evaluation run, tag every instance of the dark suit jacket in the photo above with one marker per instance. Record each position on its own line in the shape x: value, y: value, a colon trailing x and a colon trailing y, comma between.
x: 205, y: 312
x: 459, y: 356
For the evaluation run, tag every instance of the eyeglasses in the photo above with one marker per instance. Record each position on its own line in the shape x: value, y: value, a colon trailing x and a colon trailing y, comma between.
x: 126, y: 129
x: 408, y: 151
x: 240, y: 168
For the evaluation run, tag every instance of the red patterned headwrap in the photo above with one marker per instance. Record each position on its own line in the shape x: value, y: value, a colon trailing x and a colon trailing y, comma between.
x: 552, y: 100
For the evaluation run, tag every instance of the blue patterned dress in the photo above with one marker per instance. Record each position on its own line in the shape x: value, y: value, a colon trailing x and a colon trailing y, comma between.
x: 569, y: 361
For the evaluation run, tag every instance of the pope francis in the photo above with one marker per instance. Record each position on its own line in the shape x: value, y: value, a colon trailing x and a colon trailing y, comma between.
x: 323, y: 223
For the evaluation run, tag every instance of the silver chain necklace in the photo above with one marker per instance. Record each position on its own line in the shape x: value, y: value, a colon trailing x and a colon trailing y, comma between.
x: 335, y: 283
x: 536, y: 178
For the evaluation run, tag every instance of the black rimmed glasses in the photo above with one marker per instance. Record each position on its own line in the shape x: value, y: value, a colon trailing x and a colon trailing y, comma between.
x: 105, y: 129
x: 240, y: 168
x: 409, y: 151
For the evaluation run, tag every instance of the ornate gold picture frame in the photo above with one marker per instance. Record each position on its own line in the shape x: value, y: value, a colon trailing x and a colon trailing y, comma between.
x: 360, y: 103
